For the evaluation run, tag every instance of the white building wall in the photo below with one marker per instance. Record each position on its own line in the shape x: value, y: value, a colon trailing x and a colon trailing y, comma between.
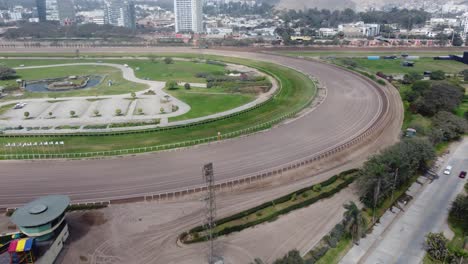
x: 52, y: 13
x: 189, y: 15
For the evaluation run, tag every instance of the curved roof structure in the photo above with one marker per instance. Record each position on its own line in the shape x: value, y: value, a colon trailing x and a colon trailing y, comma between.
x: 40, y: 211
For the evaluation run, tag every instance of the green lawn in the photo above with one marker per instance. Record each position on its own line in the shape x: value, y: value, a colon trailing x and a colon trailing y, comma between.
x: 296, y: 91
x: 181, y: 71
x: 120, y: 85
x: 395, y: 67
x: 204, y: 104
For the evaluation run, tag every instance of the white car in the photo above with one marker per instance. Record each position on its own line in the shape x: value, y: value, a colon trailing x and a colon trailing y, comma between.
x: 448, y: 170
x: 19, y: 105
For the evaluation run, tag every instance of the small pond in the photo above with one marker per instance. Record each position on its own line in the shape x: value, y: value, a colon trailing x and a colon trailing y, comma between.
x: 42, y: 86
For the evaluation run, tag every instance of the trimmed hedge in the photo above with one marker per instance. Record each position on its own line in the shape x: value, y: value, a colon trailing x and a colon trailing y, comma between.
x: 347, y: 181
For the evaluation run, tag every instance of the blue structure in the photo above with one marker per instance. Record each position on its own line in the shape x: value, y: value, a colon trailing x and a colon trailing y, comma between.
x: 373, y: 57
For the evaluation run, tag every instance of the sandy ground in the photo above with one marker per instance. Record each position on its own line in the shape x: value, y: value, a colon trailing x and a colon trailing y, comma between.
x: 147, y: 232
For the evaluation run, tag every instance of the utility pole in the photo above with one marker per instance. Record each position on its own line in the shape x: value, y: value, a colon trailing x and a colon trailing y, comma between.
x: 394, y: 182
x: 210, y: 213
x: 376, y: 197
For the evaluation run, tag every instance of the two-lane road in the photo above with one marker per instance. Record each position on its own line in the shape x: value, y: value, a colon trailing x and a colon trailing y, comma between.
x: 353, y: 105
x: 403, y: 242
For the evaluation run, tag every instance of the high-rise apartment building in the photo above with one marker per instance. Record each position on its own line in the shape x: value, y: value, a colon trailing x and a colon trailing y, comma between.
x: 189, y: 16
x: 120, y: 13
x: 56, y: 10
x: 41, y: 10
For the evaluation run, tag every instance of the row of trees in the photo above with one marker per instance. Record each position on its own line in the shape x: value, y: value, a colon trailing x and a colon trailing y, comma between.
x: 325, y: 18
x: 393, y: 168
x: 238, y: 9
x: 428, y: 98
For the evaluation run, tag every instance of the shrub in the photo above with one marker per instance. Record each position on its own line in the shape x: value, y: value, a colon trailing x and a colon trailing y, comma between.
x: 317, y: 188
x: 7, y: 73
x: 168, y: 60
x: 381, y: 82
x: 172, y: 85
x: 349, y: 62
x: 187, y: 86
x: 437, y: 75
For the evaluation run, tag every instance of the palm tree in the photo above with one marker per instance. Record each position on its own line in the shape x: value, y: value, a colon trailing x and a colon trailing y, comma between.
x: 354, y: 221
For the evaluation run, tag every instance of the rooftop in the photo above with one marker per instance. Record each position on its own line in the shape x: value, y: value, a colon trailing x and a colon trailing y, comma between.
x: 40, y: 211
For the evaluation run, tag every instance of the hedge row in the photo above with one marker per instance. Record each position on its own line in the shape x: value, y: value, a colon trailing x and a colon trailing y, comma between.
x: 331, y: 240
x: 82, y: 207
x: 346, y: 175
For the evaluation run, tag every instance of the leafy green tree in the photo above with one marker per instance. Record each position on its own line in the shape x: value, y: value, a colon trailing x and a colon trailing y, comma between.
x: 187, y: 86
x: 168, y: 60
x: 355, y: 222
x: 292, y: 257
x: 172, y: 85
x: 459, y: 211
x: 140, y: 111
x: 451, y: 126
x: 436, y: 247
x: 457, y: 40
x: 118, y: 112
x: 26, y: 115
x: 7, y: 73
x: 465, y: 75
x: 421, y: 86
x: 392, y: 168
x: 411, y: 77
x: 72, y: 113
x: 96, y: 112
x: 50, y: 114
x: 133, y: 95
x: 437, y: 75
x: 440, y: 97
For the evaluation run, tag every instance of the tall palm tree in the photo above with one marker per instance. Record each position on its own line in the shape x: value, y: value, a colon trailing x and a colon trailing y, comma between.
x: 354, y: 221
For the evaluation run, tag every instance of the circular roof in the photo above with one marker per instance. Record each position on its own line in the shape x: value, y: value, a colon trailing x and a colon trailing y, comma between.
x: 40, y: 211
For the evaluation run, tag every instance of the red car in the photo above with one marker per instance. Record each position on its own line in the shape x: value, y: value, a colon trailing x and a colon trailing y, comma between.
x: 462, y: 174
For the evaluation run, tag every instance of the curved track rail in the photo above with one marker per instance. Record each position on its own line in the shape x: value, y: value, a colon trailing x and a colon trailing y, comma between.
x: 356, y: 110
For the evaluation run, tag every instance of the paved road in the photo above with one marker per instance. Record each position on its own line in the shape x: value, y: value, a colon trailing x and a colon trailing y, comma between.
x: 403, y: 241
x: 353, y: 104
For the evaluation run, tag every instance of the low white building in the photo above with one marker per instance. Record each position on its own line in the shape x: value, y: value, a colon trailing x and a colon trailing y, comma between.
x: 360, y: 29
x: 449, y: 22
x: 327, y: 32
x: 95, y: 16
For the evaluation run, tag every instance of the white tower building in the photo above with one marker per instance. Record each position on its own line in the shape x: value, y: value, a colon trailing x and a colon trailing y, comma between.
x: 189, y: 16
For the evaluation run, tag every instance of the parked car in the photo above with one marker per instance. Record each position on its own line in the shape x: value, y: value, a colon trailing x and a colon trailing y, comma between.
x: 448, y: 170
x: 462, y: 174
x: 19, y: 105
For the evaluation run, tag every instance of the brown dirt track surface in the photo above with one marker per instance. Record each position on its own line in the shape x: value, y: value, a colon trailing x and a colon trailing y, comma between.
x: 147, y: 232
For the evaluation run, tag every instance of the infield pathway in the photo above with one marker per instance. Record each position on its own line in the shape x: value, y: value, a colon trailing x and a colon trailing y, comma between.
x: 353, y: 105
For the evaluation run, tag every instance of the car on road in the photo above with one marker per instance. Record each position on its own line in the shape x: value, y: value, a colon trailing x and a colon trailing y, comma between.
x: 462, y: 174
x: 19, y: 105
x: 448, y: 170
